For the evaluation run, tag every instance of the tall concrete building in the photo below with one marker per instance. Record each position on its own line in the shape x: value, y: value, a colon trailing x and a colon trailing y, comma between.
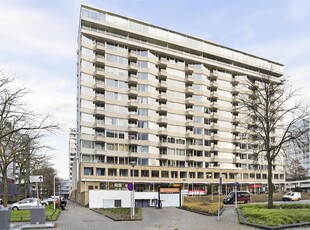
x: 165, y: 100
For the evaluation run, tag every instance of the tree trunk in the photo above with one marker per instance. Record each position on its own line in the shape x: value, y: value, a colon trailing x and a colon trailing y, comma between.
x: 270, y: 185
x: 5, y: 190
x: 18, y: 189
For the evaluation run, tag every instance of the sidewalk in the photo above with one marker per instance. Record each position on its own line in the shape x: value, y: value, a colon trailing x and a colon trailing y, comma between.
x: 77, y: 217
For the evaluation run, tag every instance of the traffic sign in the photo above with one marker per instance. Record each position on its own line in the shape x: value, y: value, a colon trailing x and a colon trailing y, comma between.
x: 130, y: 186
x: 35, y: 179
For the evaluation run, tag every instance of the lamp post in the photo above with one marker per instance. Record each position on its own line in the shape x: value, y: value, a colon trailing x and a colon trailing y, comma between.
x: 54, y: 192
x: 183, y: 190
x: 236, y: 198
x: 133, y: 164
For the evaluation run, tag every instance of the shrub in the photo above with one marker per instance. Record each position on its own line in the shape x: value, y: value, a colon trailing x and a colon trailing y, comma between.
x: 206, y: 208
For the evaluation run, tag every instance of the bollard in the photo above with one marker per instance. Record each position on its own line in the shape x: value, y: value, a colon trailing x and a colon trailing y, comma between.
x: 4, y: 218
x: 37, y: 215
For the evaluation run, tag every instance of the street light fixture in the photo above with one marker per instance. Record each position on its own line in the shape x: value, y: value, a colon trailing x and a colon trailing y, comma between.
x: 54, y: 192
x: 132, y: 213
x: 236, y: 198
x: 184, y: 179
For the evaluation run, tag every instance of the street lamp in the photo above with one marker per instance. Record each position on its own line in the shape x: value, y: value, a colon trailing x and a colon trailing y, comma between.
x: 132, y: 213
x: 184, y: 179
x: 54, y: 192
x: 236, y: 198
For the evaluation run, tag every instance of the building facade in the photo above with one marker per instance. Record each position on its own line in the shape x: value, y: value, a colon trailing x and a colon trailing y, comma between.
x: 72, y: 159
x: 165, y: 100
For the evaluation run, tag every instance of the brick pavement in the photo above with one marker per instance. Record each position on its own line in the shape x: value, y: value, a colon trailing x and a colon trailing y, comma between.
x: 77, y: 217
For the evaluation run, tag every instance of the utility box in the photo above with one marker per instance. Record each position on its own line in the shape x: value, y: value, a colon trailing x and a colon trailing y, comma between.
x: 37, y: 215
x: 4, y: 218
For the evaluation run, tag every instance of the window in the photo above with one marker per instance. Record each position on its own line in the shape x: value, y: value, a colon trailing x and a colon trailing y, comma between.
x: 117, y: 203
x: 155, y: 173
x: 100, y: 171
x: 145, y: 173
x: 88, y: 171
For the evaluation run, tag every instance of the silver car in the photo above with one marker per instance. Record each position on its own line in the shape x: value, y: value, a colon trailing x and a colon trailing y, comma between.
x: 26, y: 204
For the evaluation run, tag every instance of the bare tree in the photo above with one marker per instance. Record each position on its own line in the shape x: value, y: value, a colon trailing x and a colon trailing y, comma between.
x: 28, y: 161
x: 295, y: 170
x: 17, y: 120
x: 273, y: 113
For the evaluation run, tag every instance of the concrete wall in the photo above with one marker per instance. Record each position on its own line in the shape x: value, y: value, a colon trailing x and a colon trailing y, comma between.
x: 106, y: 198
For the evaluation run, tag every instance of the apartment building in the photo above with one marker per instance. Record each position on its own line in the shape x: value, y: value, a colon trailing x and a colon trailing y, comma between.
x: 165, y: 100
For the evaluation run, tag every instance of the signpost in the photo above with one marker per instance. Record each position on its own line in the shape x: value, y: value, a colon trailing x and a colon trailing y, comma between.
x: 36, y: 179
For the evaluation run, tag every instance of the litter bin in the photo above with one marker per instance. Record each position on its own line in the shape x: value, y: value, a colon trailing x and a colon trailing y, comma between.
x: 37, y: 215
x: 4, y: 218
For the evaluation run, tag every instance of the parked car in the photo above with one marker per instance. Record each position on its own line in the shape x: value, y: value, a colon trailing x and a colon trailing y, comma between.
x: 1, y: 201
x: 51, y: 199
x: 290, y: 196
x: 26, y: 204
x: 242, y: 196
x: 45, y: 203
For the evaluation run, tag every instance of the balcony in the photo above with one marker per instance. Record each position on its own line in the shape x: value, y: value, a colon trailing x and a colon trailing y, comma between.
x: 133, y: 68
x: 214, y: 95
x: 133, y: 78
x: 213, y: 85
x: 163, y: 131
x: 236, y: 160
x: 162, y: 107
x: 100, y: 59
x: 236, y: 150
x: 214, y: 117
x: 132, y: 56
x: 189, y: 123
x: 163, y: 120
x: 162, y: 96
x: 189, y: 101
x: 100, y: 72
x: 235, y: 111
x: 162, y: 74
x: 236, y: 130
x: 212, y: 76
x: 133, y: 103
x: 189, y: 112
x: 133, y: 116
x: 189, y: 90
x: 162, y: 63
x: 189, y: 79
x: 133, y: 91
x: 190, y: 134
x: 189, y: 70
x: 99, y: 85
x: 162, y: 85
x: 99, y: 98
x: 100, y: 46
x: 234, y: 81
x: 214, y: 127
x: 214, y: 105
x: 133, y: 128
x: 235, y: 120
x: 234, y: 91
x: 133, y: 141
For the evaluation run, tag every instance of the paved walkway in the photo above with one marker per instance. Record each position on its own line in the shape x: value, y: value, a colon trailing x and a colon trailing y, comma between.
x: 76, y: 217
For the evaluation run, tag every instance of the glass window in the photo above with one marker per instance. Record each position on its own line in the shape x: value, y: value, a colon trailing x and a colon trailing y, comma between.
x: 88, y: 171
x: 100, y: 171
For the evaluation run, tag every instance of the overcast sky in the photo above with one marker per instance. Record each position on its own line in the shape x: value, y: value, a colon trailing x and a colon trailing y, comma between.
x: 38, y: 43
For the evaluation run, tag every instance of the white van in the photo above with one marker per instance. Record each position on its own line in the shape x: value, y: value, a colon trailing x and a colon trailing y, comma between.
x: 291, y: 196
